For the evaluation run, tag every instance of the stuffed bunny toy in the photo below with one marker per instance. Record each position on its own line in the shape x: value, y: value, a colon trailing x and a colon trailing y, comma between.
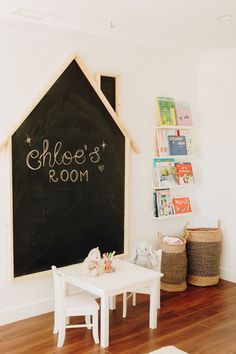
x: 92, y: 263
x: 144, y: 255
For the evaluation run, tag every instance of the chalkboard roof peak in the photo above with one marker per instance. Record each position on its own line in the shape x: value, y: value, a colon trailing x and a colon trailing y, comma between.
x: 106, y: 103
x: 96, y: 88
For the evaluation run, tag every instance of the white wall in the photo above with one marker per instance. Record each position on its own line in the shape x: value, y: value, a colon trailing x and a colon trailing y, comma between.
x: 217, y: 192
x: 28, y: 63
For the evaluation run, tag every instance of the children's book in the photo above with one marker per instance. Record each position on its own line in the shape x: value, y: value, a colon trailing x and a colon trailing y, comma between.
x: 188, y: 139
x: 162, y: 147
x: 155, y: 173
x: 182, y: 205
x: 184, y: 172
x: 166, y: 110
x: 183, y: 113
x: 163, y: 142
x: 155, y: 204
x: 164, y: 203
x: 177, y: 145
x: 165, y: 172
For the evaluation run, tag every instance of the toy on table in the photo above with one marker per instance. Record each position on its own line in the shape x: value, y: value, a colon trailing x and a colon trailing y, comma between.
x: 144, y: 255
x: 107, y: 259
x: 93, y: 263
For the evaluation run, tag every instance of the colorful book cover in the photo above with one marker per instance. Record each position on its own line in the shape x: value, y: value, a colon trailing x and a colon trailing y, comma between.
x: 164, y: 203
x: 188, y: 138
x: 166, y: 108
x: 182, y: 205
x: 165, y: 172
x: 177, y: 145
x: 184, y: 172
x: 183, y: 113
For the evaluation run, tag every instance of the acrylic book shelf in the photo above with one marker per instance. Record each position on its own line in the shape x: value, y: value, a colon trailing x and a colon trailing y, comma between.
x: 164, y: 134
x: 175, y: 216
x: 175, y: 127
x: 164, y: 153
x: 168, y: 204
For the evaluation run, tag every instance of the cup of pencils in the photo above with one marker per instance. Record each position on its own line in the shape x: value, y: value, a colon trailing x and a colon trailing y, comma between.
x: 107, y: 259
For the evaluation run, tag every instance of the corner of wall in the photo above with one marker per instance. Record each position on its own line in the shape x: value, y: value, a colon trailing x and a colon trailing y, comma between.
x: 228, y: 274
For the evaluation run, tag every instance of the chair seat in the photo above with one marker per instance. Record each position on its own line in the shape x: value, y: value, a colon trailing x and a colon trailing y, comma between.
x: 85, y: 301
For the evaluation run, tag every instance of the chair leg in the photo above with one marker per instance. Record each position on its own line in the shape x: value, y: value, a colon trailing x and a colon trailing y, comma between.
x: 88, y: 321
x: 134, y: 299
x: 61, y: 333
x: 55, y: 328
x: 124, y: 305
x: 95, y: 328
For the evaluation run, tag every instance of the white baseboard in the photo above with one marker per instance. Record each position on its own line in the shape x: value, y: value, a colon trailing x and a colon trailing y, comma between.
x: 32, y: 309
x: 228, y: 274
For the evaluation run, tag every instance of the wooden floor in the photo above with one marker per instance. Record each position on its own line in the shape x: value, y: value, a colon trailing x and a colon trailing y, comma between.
x: 198, y: 320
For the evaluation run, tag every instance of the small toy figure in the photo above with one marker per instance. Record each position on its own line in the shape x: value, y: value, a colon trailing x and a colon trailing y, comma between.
x: 107, y: 258
x: 144, y: 255
x: 92, y: 263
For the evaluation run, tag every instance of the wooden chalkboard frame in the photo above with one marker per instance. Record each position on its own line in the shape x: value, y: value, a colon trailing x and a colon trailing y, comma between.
x: 129, y: 143
x: 117, y: 78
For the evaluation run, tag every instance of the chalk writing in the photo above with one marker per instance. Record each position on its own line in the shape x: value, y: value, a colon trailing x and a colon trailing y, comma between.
x: 94, y: 156
x: 65, y: 176
x: 55, y: 156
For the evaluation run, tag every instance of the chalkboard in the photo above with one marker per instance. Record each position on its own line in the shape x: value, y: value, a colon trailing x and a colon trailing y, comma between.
x: 68, y: 176
x: 108, y: 87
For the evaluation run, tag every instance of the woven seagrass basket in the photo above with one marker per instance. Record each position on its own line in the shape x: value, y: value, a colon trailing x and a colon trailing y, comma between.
x: 203, y: 255
x: 173, y: 266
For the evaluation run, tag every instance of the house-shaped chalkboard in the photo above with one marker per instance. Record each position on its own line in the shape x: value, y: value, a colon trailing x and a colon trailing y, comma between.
x: 69, y: 176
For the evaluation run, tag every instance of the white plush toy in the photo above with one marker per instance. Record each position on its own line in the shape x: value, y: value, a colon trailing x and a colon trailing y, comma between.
x: 144, y: 255
x: 92, y: 263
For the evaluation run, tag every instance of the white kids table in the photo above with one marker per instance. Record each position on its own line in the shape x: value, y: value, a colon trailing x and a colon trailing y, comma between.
x: 127, y: 276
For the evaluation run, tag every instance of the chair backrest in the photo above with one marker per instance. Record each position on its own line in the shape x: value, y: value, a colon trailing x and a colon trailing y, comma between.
x: 59, y: 287
x: 159, y: 258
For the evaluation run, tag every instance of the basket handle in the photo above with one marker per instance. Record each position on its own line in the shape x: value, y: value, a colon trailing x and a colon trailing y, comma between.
x: 185, y: 226
x: 159, y: 235
x: 219, y: 224
x: 186, y: 231
x: 185, y: 236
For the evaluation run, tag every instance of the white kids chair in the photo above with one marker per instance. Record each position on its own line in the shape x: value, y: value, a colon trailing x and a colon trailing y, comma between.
x: 143, y: 290
x: 65, y: 306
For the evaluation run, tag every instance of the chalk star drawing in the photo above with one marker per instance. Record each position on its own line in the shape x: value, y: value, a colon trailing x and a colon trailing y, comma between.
x: 28, y: 140
x: 103, y: 145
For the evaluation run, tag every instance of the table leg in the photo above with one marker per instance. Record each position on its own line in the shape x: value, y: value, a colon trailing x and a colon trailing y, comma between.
x: 159, y: 294
x: 153, y: 305
x: 112, y: 302
x: 104, y: 313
